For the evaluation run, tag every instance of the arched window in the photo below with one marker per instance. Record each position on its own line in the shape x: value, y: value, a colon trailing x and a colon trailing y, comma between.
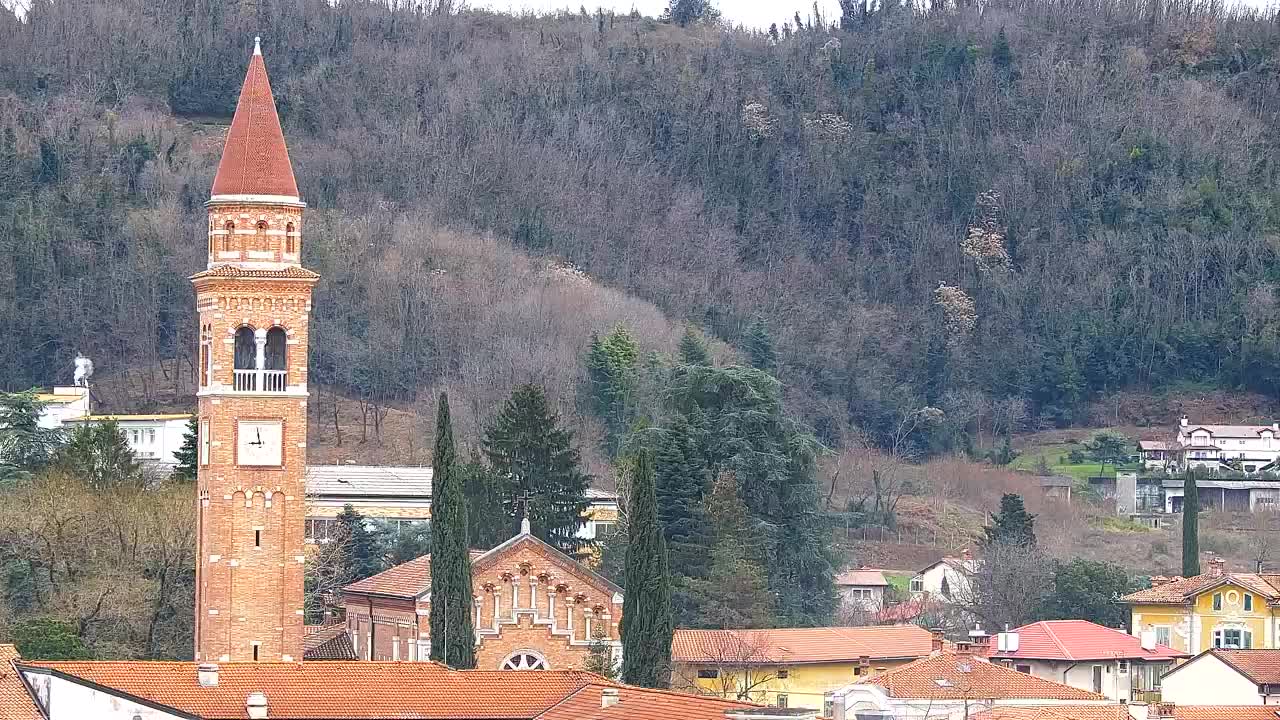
x: 260, y: 241
x: 524, y: 660
x: 276, y: 349
x: 290, y: 245
x: 246, y: 349
x: 230, y: 227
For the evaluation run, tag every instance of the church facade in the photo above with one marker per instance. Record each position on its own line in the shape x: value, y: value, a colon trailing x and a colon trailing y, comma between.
x: 535, y: 609
x: 253, y: 301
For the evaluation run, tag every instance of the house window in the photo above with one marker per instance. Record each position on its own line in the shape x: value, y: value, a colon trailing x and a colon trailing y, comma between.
x: 857, y: 671
x: 1023, y: 669
x: 230, y: 229
x: 1234, y: 639
x: 320, y: 529
x: 204, y: 442
x: 1123, y: 667
x: 917, y: 585
x: 604, y: 530
x: 782, y: 700
x: 1217, y: 601
x: 1162, y: 635
x: 1248, y: 602
x: 524, y: 660
x: 784, y: 674
x: 289, y: 246
x: 708, y: 673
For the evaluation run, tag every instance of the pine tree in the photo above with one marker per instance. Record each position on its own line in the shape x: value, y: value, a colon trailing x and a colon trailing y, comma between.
x: 99, y: 454
x: 681, y: 487
x: 736, y: 591
x: 611, y: 372
x: 1001, y: 53
x: 646, y: 626
x: 531, y: 456
x: 1191, y: 524
x: 25, y: 447
x: 693, y: 350
x: 759, y: 346
x: 1013, y: 525
x: 488, y: 523
x: 452, y: 634
x: 360, y: 548
x: 803, y: 578
x: 188, y: 454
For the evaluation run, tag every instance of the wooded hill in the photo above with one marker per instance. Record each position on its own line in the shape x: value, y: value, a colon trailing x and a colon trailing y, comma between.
x: 999, y: 211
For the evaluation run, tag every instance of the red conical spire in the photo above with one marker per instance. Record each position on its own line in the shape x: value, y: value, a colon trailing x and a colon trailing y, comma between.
x: 255, y: 160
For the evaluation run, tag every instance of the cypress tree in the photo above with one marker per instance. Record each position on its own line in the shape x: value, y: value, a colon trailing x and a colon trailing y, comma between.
x: 1190, y: 524
x: 452, y: 635
x: 646, y: 626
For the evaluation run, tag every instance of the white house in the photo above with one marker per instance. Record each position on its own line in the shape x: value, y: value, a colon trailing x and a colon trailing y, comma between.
x: 154, y: 439
x: 947, y: 579
x: 1237, y: 448
x: 63, y: 404
x: 1225, y: 677
x: 861, y: 589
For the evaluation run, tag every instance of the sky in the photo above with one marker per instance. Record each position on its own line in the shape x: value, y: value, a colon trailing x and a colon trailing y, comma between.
x: 752, y: 13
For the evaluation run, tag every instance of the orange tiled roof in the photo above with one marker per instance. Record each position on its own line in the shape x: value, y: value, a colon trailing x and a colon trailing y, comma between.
x: 1226, y: 712
x: 861, y: 577
x: 291, y: 272
x: 255, y: 160
x: 15, y: 701
x: 1261, y: 666
x: 350, y: 690
x: 1182, y: 589
x: 950, y: 676
x: 327, y: 643
x: 1055, y: 712
x: 641, y: 704
x: 1082, y: 640
x: 789, y: 646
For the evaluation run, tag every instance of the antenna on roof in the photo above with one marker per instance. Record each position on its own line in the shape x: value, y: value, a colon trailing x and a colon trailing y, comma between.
x: 257, y: 45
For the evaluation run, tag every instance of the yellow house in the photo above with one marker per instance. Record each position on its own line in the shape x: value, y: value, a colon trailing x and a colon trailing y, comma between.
x: 1215, y: 609
x: 791, y: 667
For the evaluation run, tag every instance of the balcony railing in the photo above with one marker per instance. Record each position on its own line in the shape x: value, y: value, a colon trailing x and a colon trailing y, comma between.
x: 261, y: 380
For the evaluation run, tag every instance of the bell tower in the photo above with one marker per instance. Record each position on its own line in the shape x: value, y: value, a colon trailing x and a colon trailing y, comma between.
x: 253, y: 301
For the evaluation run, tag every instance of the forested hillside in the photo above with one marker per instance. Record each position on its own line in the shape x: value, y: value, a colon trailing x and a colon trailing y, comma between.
x: 998, y: 211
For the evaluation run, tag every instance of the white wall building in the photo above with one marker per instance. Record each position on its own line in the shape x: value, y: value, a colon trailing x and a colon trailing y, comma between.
x: 154, y: 439
x: 947, y: 579
x: 1237, y: 448
x: 1225, y: 677
x: 63, y: 404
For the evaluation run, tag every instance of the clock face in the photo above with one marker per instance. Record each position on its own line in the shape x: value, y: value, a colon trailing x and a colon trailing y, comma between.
x: 259, y: 443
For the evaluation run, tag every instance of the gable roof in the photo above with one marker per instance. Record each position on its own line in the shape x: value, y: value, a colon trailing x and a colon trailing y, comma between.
x: 951, y: 676
x: 641, y: 704
x: 792, y: 646
x: 351, y: 690
x: 15, y: 701
x: 1259, y: 666
x: 1226, y: 712
x: 1180, y: 590
x: 861, y: 577
x: 1082, y: 640
x: 1055, y: 712
x: 255, y: 160
x: 412, y: 580
x: 327, y: 643
x: 1231, y: 431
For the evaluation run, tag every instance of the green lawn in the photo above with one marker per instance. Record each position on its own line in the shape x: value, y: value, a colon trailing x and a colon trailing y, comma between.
x: 899, y: 581
x: 1056, y: 457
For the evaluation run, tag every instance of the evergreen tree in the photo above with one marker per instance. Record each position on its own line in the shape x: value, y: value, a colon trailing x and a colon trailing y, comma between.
x: 403, y: 542
x: 452, y: 634
x: 99, y: 454
x: 1191, y: 524
x: 1088, y: 590
x: 48, y: 639
x: 646, y: 626
x: 489, y: 524
x: 1013, y: 525
x: 736, y: 591
x: 693, y: 349
x: 681, y: 487
x: 759, y: 346
x: 188, y: 455
x: 359, y: 546
x: 25, y: 447
x: 803, y: 579
x: 611, y: 372
x: 1001, y: 53
x: 533, y: 457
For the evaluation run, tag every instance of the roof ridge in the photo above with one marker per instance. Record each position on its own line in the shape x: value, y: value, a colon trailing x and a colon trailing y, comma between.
x: 1053, y: 636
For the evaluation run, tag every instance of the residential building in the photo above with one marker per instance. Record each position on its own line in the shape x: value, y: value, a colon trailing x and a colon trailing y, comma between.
x: 130, y: 690
x: 951, y: 685
x: 1136, y: 711
x: 15, y: 701
x: 861, y: 589
x: 1217, y: 448
x: 62, y: 404
x: 154, y: 439
x: 1228, y: 677
x: 1215, y: 609
x: 1089, y: 656
x: 402, y: 495
x: 1158, y: 455
x: 535, y: 608
x: 790, y: 667
x: 1056, y: 712
x: 948, y: 579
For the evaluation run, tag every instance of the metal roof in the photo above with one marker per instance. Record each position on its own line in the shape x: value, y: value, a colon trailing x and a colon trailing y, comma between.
x: 387, y: 481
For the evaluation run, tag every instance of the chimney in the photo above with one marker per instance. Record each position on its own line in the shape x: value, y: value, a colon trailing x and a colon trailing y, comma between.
x: 1158, y: 580
x: 609, y: 697
x: 939, y: 640
x: 207, y: 674
x: 256, y: 706
x: 1183, y: 422
x: 964, y: 649
x: 1215, y: 566
x: 1161, y: 711
x: 980, y: 640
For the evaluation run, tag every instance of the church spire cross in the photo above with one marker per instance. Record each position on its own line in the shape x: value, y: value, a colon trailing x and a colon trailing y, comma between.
x: 255, y: 161
x: 524, y: 521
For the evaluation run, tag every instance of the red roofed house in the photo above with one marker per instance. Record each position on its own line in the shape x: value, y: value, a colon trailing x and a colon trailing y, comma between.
x: 1226, y: 676
x: 1088, y: 656
x: 951, y: 685
x: 790, y: 667
x: 861, y: 589
x: 127, y: 690
x: 535, y: 608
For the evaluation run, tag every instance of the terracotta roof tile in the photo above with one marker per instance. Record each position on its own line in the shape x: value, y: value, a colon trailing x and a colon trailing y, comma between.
x: 800, y: 645
x: 641, y: 704
x: 1055, y: 712
x: 1259, y: 665
x: 1082, y: 640
x: 15, y: 701
x: 325, y: 690
x: 1182, y: 589
x: 290, y: 272
x: 327, y: 643
x: 862, y: 577
x: 950, y: 676
x: 1226, y: 712
x: 255, y: 160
